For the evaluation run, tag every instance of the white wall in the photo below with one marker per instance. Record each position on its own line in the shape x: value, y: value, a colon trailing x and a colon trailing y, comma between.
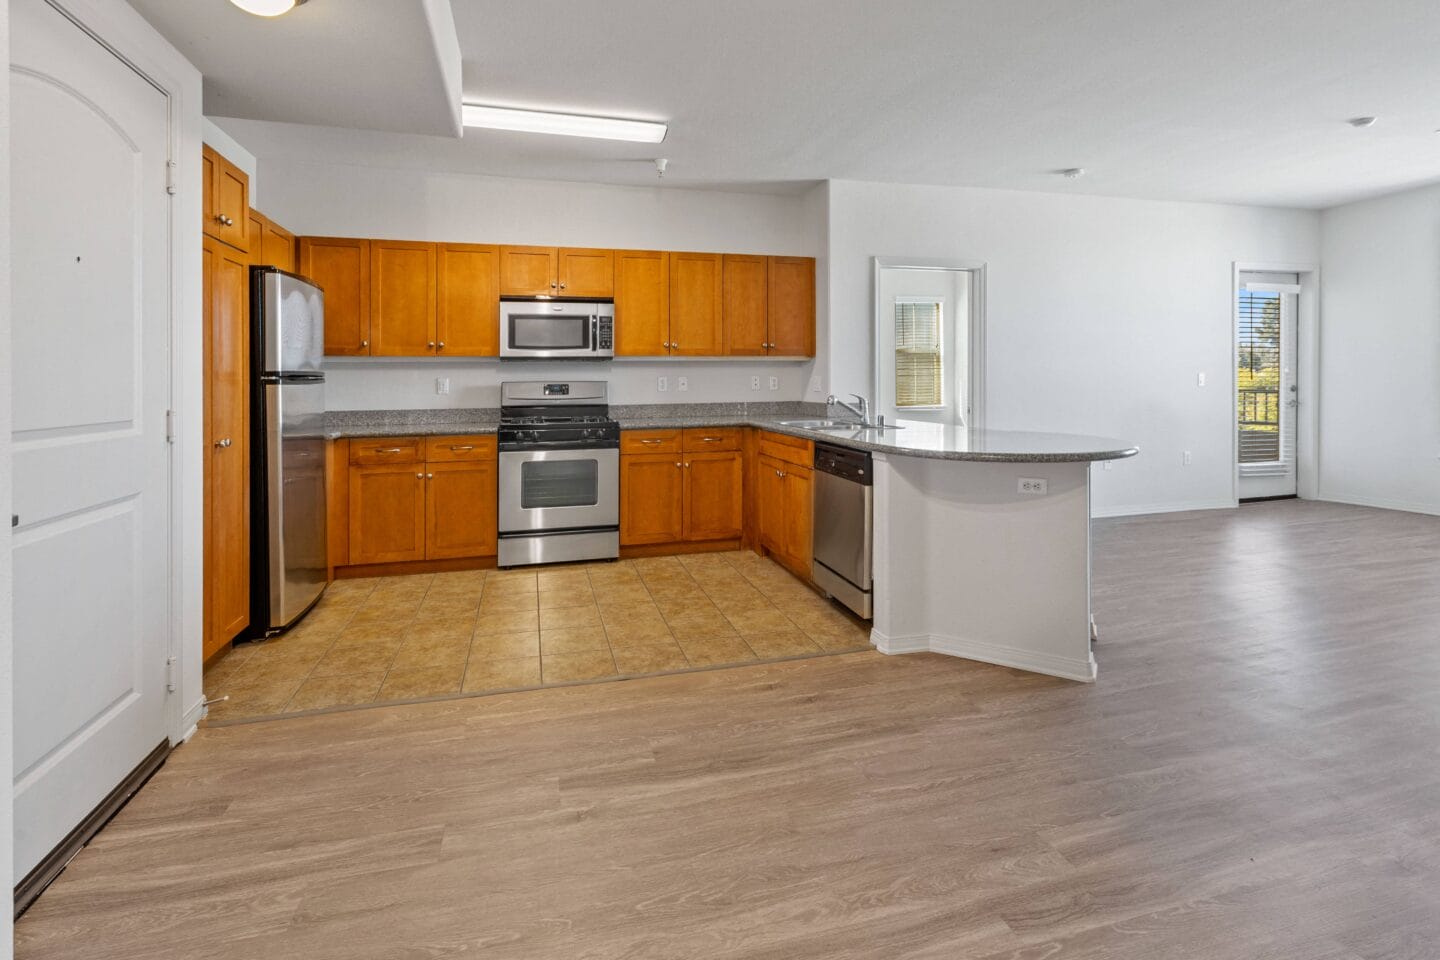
x: 1380, y: 352
x: 1100, y: 314
x: 7, y: 639
x: 346, y: 200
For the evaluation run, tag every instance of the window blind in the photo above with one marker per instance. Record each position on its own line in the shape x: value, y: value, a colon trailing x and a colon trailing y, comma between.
x: 919, y: 365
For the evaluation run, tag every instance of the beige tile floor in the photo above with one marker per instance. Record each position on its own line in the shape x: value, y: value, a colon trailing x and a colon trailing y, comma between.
x: 402, y: 638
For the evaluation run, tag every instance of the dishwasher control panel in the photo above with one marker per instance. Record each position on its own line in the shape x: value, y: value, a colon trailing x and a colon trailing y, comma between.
x: 853, y: 465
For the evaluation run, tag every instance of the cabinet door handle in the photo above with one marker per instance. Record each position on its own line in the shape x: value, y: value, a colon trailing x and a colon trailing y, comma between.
x: 387, y: 449
x: 224, y: 220
x: 441, y: 344
x: 687, y: 466
x: 552, y: 284
x: 419, y: 476
x: 562, y: 286
x: 710, y: 439
x: 431, y: 344
x: 429, y: 476
x: 652, y: 441
x: 365, y: 343
x: 223, y: 443
x: 460, y: 449
x: 679, y: 465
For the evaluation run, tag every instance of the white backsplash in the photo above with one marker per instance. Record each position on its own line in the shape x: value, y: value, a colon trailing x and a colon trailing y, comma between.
x: 377, y: 384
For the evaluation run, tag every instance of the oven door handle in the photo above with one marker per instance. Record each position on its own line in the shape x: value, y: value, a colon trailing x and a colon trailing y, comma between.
x: 595, y: 332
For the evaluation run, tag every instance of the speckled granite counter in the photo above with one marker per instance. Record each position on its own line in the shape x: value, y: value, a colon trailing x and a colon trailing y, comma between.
x: 931, y: 441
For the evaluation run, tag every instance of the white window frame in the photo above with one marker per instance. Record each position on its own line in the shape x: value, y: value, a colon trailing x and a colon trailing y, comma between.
x: 946, y: 352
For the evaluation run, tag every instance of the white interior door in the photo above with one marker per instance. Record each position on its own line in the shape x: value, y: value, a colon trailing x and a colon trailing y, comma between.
x: 1267, y: 388
x: 90, y: 221
x: 922, y: 344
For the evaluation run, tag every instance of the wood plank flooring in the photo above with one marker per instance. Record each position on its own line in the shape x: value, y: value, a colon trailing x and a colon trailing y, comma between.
x: 1255, y: 775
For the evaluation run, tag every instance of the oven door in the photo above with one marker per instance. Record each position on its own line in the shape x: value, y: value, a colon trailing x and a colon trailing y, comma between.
x: 550, y: 329
x: 559, y: 490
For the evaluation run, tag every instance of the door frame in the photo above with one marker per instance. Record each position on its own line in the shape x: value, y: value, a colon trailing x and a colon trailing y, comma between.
x: 117, y: 27
x: 1307, y: 373
x: 977, y: 270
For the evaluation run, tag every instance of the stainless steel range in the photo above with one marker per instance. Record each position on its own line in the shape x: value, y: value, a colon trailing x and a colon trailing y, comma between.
x: 559, y: 473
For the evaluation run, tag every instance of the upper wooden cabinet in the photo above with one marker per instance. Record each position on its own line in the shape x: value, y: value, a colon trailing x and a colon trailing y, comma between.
x: 557, y: 272
x: 642, y: 303
x: 278, y: 247
x: 226, y: 192
x: 792, y: 306
x: 696, y: 304
x: 467, y: 300
x: 529, y: 272
x: 402, y: 298
x: 747, y: 296
x: 341, y: 266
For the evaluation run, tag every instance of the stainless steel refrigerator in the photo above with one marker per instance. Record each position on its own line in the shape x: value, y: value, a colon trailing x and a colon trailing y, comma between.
x: 287, y: 417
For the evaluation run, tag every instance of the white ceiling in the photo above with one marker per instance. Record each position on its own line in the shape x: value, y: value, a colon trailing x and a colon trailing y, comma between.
x: 371, y: 64
x: 1216, y: 100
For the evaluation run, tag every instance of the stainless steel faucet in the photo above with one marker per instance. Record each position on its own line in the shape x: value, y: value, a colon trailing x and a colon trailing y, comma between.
x: 862, y: 410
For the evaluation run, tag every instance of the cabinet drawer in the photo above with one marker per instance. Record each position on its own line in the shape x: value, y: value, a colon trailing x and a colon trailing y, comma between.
x: 789, y: 449
x: 711, y: 439
x: 650, y: 441
x: 442, y: 449
x: 385, y: 450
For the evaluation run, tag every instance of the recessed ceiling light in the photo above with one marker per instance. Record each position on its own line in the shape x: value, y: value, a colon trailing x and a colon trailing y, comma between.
x: 267, y: 8
x: 1360, y: 122
x: 562, y: 124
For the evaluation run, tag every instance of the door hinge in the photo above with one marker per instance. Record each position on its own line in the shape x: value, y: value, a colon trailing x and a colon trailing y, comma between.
x: 169, y: 426
x: 170, y: 674
x: 170, y: 187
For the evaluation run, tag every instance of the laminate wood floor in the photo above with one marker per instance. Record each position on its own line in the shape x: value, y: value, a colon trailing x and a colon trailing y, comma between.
x: 1255, y: 775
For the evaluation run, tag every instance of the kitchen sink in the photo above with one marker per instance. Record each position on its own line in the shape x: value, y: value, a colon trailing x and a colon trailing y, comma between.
x: 838, y: 425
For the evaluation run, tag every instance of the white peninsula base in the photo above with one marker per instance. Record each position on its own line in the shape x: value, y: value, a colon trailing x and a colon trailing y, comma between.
x: 966, y: 565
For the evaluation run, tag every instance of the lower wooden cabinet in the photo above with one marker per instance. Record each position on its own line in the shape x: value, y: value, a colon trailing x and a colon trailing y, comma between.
x: 784, y: 487
x: 226, y: 284
x: 409, y: 499
x: 387, y: 512
x: 693, y: 491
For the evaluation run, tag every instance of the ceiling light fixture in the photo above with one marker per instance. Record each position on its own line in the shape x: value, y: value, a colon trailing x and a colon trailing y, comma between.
x: 1361, y: 122
x: 562, y: 124
x: 267, y: 8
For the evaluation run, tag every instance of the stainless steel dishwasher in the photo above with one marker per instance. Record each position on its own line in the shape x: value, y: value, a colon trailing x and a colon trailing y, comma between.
x: 844, y: 525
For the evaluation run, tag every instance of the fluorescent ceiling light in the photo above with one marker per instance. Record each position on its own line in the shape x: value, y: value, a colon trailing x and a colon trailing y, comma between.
x: 563, y: 124
x: 267, y: 8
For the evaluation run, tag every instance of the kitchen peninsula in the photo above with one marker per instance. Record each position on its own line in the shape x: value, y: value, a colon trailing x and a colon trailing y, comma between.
x: 965, y: 563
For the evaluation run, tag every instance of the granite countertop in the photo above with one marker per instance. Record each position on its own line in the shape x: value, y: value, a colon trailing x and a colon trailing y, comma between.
x: 933, y: 441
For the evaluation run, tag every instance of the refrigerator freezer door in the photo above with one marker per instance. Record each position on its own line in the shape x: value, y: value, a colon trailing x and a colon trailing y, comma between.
x: 293, y: 331
x: 295, y: 495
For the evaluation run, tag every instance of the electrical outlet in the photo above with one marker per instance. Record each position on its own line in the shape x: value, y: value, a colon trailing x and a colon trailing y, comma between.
x: 1107, y: 465
x: 1033, y: 486
x: 662, y: 384
x: 754, y: 383
x: 442, y: 386
x: 1186, y: 459
x: 774, y: 383
x: 1199, y: 379
x: 682, y: 384
x: 815, y: 384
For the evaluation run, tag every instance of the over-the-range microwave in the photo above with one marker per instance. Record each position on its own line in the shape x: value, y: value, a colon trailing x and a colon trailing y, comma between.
x: 557, y: 329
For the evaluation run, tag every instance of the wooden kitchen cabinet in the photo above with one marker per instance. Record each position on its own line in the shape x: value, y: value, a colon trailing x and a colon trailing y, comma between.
x: 696, y: 304
x: 226, y: 335
x: 278, y: 247
x: 225, y: 191
x: 586, y: 272
x: 713, y: 496
x: 529, y: 272
x: 651, y: 498
x: 341, y: 266
x: 402, y: 298
x: 746, y: 305
x: 791, y: 306
x: 387, y: 512
x: 784, y: 489
x: 460, y: 509
x: 467, y: 300
x: 642, y: 303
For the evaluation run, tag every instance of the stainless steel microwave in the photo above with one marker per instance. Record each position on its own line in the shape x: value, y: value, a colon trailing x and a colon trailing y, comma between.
x: 557, y: 329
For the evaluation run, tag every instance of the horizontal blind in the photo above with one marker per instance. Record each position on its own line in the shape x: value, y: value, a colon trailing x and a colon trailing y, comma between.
x: 919, y: 366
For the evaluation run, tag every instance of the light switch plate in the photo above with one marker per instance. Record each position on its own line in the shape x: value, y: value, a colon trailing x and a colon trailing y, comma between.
x: 442, y: 386
x: 662, y: 384
x: 774, y: 383
x: 815, y: 384
x: 1200, y: 379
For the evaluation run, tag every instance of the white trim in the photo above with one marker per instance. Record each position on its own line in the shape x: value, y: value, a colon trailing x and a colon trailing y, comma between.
x: 975, y: 416
x: 1066, y: 668
x: 1143, y: 509
x: 1381, y: 503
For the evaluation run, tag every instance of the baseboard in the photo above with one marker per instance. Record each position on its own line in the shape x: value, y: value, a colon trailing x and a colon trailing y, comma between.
x: 1380, y: 503
x: 406, y: 567
x: 55, y: 862
x: 191, y: 721
x: 630, y: 552
x: 1066, y: 668
x: 1141, y: 509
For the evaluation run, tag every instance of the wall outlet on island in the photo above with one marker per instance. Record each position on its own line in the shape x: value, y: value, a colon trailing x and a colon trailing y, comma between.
x: 682, y: 384
x: 754, y: 383
x: 1033, y: 486
x: 662, y: 384
x: 774, y: 383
